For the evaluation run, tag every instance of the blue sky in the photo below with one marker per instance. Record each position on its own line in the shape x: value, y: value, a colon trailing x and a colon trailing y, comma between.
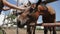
x: 55, y: 5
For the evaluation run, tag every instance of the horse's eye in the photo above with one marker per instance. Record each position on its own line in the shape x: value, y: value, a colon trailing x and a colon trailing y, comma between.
x: 25, y: 6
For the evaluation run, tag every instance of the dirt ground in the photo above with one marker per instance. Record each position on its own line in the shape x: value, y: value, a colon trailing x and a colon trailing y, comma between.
x: 23, y: 31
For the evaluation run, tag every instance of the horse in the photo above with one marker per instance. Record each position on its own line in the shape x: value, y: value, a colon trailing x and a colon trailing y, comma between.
x: 30, y: 18
x: 34, y: 17
x: 48, y: 16
x: 26, y: 19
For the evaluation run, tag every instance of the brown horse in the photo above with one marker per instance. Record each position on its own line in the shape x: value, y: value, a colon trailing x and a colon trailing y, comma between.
x: 28, y: 17
x: 48, y: 15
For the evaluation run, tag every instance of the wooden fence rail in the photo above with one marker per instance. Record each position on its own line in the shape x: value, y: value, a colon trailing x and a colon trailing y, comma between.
x: 48, y: 24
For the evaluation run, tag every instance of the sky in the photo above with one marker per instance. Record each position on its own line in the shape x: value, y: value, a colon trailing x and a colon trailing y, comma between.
x: 55, y: 5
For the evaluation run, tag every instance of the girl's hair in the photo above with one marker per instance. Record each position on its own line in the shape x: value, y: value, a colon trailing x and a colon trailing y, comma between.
x: 39, y: 1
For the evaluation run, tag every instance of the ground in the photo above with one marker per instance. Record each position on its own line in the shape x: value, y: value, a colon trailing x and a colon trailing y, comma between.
x: 23, y: 31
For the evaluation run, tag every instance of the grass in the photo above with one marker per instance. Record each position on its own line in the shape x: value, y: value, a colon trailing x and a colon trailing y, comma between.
x: 43, y: 29
x: 0, y: 32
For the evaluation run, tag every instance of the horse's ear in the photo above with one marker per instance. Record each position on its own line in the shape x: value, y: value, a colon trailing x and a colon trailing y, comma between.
x: 40, y: 7
x: 29, y: 3
x: 49, y: 1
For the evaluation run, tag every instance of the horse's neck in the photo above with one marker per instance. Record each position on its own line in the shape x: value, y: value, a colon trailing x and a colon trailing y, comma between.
x: 32, y: 10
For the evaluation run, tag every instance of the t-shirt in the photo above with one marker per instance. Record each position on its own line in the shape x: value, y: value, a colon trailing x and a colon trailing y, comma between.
x: 1, y: 16
x: 1, y: 19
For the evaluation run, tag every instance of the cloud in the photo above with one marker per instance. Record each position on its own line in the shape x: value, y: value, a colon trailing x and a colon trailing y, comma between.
x: 22, y: 1
x: 33, y: 1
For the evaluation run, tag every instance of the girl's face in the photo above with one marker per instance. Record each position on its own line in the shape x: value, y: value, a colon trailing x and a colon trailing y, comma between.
x: 34, y: 5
